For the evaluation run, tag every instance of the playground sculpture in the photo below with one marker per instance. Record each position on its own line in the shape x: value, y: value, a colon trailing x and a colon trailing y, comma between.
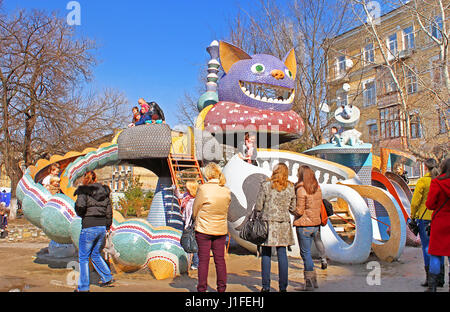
x: 255, y: 94
x: 348, y: 116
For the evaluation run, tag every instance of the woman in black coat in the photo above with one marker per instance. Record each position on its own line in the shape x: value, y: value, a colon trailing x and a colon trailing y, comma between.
x: 93, y: 205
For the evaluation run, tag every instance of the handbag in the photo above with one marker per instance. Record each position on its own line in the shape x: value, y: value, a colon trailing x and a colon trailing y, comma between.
x: 254, y: 230
x: 323, y: 215
x: 328, y: 207
x: 188, y: 241
x: 428, y: 228
x: 413, y: 226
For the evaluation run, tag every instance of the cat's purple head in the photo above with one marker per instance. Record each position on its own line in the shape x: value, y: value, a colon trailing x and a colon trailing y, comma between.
x: 260, y: 81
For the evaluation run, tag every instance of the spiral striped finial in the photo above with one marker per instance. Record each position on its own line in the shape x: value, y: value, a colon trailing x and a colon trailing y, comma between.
x: 210, y: 97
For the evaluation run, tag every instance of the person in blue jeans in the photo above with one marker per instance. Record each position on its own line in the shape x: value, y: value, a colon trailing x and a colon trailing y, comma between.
x: 307, y: 220
x: 422, y: 215
x: 93, y: 205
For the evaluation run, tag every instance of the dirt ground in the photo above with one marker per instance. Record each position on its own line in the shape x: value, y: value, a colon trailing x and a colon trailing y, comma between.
x: 20, y: 272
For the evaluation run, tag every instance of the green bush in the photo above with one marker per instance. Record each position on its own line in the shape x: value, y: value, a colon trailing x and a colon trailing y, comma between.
x: 136, y: 203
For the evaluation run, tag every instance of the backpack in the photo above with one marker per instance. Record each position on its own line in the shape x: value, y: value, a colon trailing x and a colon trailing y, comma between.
x: 328, y: 207
x: 323, y: 215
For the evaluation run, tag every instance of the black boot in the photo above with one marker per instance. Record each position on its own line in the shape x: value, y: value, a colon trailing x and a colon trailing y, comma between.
x: 432, y: 282
x: 441, y: 280
x: 425, y: 284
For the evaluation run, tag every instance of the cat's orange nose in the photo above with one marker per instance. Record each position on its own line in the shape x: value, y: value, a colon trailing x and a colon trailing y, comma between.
x: 277, y: 74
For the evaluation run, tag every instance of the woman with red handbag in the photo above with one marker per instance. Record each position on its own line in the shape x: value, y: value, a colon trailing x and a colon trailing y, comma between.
x: 439, y: 244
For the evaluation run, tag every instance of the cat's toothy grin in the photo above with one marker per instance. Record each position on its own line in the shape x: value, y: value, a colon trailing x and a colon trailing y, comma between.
x: 267, y: 93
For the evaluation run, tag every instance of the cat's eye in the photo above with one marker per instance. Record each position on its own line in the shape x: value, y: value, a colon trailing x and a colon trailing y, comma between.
x: 288, y: 73
x: 258, y: 68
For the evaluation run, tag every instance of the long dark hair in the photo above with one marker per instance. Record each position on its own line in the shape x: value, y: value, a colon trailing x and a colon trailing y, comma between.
x: 445, y: 169
x: 307, y: 176
x: 432, y: 166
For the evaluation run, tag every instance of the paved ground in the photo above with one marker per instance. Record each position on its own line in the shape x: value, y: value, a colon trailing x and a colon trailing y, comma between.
x: 20, y: 272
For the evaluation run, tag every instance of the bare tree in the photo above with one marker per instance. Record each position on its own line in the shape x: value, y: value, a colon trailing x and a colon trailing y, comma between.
x: 43, y: 107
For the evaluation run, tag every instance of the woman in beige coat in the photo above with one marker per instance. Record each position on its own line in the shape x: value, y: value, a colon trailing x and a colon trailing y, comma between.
x: 307, y: 221
x: 210, y: 213
x: 276, y: 200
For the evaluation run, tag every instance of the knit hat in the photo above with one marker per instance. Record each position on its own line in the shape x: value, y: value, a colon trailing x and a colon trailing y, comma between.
x: 145, y: 105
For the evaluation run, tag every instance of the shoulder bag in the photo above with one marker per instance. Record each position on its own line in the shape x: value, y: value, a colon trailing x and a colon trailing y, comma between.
x: 188, y: 241
x: 254, y: 230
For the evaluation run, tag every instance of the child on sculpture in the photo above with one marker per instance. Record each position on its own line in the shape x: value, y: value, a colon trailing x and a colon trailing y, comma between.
x: 156, y: 113
x: 248, y: 151
x: 54, y: 172
x: 187, y: 202
x: 145, y: 116
x: 54, y: 186
x: 136, y: 116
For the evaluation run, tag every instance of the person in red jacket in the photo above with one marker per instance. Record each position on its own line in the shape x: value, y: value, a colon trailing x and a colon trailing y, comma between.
x: 439, y: 245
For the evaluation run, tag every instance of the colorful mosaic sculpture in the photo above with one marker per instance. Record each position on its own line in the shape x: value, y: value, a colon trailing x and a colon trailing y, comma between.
x: 135, y: 243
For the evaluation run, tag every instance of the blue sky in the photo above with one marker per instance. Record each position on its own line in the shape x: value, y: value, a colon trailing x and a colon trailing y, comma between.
x: 148, y: 48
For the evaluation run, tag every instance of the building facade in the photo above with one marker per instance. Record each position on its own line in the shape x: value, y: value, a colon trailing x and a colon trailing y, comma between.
x: 358, y: 74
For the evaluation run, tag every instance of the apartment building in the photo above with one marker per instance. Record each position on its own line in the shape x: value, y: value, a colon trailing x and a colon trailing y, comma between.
x: 359, y: 74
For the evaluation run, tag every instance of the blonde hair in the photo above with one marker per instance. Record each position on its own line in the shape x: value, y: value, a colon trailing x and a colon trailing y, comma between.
x: 279, y: 178
x: 212, y: 171
x: 54, y: 179
x: 192, y: 187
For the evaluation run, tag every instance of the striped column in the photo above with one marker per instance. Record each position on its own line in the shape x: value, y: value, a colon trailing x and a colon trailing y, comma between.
x: 210, y: 97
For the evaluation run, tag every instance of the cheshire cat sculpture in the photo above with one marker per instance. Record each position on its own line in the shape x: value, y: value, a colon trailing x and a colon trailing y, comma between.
x: 256, y: 92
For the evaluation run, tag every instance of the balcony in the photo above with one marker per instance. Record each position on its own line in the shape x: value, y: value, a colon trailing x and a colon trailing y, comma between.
x: 404, y: 54
x: 388, y: 99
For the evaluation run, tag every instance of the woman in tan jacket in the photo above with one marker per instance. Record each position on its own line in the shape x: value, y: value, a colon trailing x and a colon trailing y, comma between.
x: 307, y: 220
x: 210, y: 213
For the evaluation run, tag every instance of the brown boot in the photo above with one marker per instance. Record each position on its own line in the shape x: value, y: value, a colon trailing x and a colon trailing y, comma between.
x: 314, y: 280
x: 308, y: 275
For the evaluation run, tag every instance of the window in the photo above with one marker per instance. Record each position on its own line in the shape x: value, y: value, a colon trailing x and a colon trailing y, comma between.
x: 390, y: 122
x: 442, y: 120
x: 341, y: 98
x: 373, y: 132
x: 341, y: 65
x: 411, y: 82
x: 369, y: 56
x: 408, y: 38
x: 436, y: 27
x: 390, y: 85
x: 436, y: 71
x: 392, y: 46
x: 416, y: 127
x: 369, y: 92
x: 414, y: 171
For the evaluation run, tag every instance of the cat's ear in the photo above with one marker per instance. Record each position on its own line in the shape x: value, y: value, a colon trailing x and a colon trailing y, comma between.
x: 229, y: 54
x: 291, y: 63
